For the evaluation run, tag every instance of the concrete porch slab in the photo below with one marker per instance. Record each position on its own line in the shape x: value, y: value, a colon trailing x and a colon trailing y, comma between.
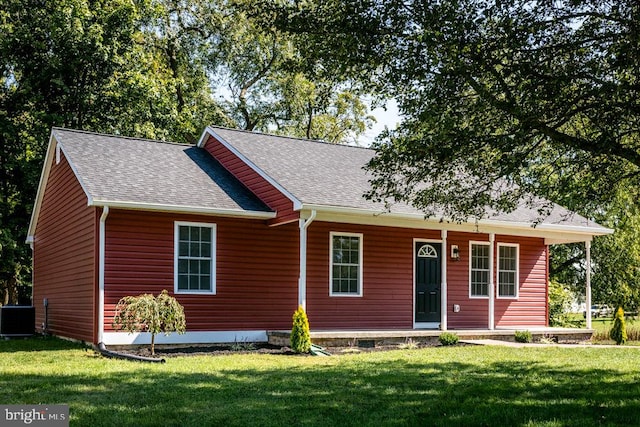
x: 375, y: 338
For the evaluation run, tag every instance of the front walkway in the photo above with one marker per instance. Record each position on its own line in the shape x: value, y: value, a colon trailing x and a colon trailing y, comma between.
x: 375, y: 338
x: 582, y: 344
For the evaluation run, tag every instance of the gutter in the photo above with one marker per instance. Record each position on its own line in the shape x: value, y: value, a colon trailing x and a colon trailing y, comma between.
x: 302, y: 280
x: 101, y: 259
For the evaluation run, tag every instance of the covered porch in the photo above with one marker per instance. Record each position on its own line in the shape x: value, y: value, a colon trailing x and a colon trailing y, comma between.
x: 379, y: 338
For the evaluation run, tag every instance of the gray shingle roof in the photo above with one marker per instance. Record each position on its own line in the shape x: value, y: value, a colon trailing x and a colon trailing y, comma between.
x: 119, y: 169
x: 319, y: 173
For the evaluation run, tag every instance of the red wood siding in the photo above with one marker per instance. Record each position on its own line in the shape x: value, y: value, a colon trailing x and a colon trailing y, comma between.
x: 474, y: 312
x: 530, y: 308
x: 387, y: 300
x: 269, y: 194
x: 388, y: 281
x: 64, y: 268
x: 256, y: 270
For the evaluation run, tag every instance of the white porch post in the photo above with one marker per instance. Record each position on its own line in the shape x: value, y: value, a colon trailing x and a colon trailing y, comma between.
x: 302, y: 279
x: 443, y: 286
x: 492, y: 238
x: 587, y: 245
x: 101, y: 260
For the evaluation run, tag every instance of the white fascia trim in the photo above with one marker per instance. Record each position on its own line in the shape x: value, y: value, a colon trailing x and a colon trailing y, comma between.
x: 199, y: 337
x: 297, y: 204
x: 52, y: 150
x: 182, y: 209
x: 554, y: 233
x: 44, y: 176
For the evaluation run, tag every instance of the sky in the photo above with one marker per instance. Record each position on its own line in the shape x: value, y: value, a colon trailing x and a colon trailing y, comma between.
x: 389, y: 118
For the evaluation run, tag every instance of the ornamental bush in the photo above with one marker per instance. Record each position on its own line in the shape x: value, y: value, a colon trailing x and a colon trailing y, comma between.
x: 559, y: 305
x: 448, y: 338
x: 523, y: 336
x: 300, y: 334
x: 619, y: 331
x: 146, y: 313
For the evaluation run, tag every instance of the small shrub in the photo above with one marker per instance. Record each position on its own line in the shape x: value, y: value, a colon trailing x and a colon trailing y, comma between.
x: 560, y: 305
x: 300, y: 334
x: 448, y: 338
x: 619, y: 331
x: 409, y: 344
x: 242, y: 346
x: 548, y: 339
x: 523, y: 336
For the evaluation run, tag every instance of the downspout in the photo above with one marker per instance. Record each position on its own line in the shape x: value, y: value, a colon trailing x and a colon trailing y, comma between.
x: 443, y: 286
x: 302, y: 280
x: 587, y: 245
x: 101, y: 258
x: 492, y: 239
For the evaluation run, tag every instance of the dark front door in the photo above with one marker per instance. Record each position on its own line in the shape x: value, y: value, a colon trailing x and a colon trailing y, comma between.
x: 428, y: 281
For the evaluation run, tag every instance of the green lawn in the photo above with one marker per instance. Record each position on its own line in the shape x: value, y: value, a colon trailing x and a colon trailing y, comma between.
x: 469, y: 385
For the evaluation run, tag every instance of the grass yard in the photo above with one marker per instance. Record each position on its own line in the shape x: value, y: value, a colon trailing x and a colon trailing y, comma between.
x: 469, y: 385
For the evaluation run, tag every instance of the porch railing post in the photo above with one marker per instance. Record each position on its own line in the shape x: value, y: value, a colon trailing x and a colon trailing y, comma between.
x: 443, y: 286
x: 587, y: 245
x: 492, y: 239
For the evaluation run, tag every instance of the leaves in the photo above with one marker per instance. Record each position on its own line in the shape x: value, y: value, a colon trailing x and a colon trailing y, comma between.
x: 146, y: 313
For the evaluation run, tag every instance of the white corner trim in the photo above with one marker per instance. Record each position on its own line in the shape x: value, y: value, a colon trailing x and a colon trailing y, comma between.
x: 196, y: 337
x: 297, y: 204
x: 102, y: 245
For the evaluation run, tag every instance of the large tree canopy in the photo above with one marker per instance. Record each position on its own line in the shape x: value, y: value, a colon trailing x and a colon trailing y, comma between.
x: 147, y: 68
x: 535, y: 97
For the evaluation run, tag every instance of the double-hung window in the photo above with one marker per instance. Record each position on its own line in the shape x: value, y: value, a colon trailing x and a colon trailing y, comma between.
x: 479, y: 269
x: 194, y: 264
x: 507, y: 270
x: 346, y: 264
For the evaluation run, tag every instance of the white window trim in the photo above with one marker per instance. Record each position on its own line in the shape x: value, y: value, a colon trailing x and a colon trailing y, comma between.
x: 176, y: 240
x: 360, y: 265
x: 517, y: 283
x: 471, y: 243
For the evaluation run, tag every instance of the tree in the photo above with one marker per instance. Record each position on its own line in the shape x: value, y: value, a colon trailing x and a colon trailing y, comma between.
x: 143, y: 68
x: 146, y: 313
x: 270, y: 84
x: 615, y: 258
x: 300, y: 334
x: 502, y: 100
x: 57, y: 62
x: 619, y: 331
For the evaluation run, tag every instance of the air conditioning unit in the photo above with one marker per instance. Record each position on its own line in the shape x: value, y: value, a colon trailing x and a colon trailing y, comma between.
x: 17, y: 321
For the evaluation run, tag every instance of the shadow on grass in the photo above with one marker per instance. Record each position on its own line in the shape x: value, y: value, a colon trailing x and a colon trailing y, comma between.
x: 37, y: 343
x: 387, y: 390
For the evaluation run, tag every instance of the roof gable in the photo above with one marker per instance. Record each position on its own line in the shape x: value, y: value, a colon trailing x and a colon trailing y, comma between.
x: 144, y: 174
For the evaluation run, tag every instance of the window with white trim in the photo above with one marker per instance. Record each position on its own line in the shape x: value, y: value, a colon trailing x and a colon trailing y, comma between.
x: 479, y: 270
x: 194, y: 269
x: 507, y: 270
x: 346, y: 264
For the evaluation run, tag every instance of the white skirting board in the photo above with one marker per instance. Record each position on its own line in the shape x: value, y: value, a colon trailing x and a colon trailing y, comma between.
x: 200, y: 337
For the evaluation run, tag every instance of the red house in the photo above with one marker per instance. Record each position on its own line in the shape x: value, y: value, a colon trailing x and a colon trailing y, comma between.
x: 245, y: 226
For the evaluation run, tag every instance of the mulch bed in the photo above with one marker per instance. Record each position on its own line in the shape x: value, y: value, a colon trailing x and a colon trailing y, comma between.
x: 163, y: 351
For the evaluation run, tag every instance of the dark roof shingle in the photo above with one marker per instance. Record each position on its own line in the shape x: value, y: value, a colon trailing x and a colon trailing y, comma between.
x: 119, y: 169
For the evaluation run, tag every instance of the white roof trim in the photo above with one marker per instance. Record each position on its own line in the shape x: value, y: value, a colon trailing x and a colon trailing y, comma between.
x: 297, y: 204
x: 157, y: 207
x: 553, y: 233
x: 52, y: 152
